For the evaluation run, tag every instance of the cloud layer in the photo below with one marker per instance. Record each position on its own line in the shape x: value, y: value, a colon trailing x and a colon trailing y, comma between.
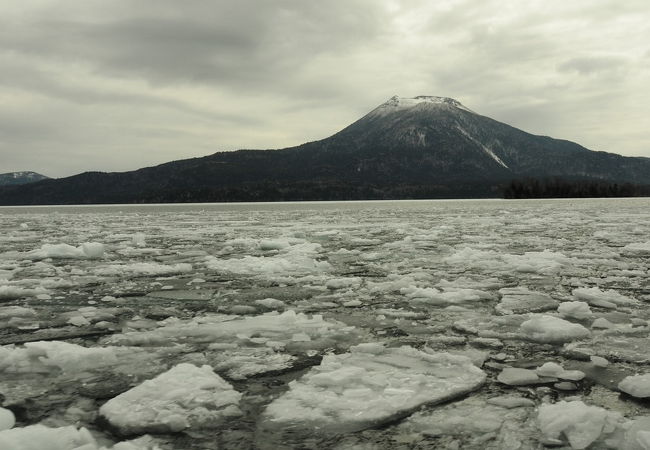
x: 95, y: 85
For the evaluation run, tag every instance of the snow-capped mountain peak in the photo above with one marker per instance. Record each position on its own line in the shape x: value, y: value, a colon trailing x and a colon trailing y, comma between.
x: 399, y: 103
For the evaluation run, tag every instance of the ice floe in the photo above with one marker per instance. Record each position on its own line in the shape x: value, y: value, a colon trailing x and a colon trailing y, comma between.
x: 369, y: 386
x: 550, y: 329
x: 636, y: 385
x: 184, y: 397
x: 579, y: 424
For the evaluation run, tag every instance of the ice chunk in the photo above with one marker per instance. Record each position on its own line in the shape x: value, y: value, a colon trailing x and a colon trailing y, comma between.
x: 513, y: 376
x: 367, y: 387
x: 639, y: 248
x: 451, y: 297
x: 580, y: 424
x: 490, y: 424
x: 599, y: 361
x: 621, y: 348
x: 602, y: 323
x: 66, y: 251
x: 275, y: 244
x: 44, y: 355
x: 637, y: 435
x: 545, y: 262
x: 636, y: 385
x: 549, y: 329
x: 342, y: 283
x: 575, y: 310
x: 12, y: 292
x: 240, y: 363
x: 78, y: 321
x: 270, y: 303
x: 604, y: 299
x: 93, y: 249
x: 519, y: 301
x: 39, y: 437
x: 138, y: 240
x: 353, y: 303
x: 272, y: 327
x: 551, y: 369
x: 506, y: 401
x: 7, y: 419
x: 184, y: 397
x: 7, y: 312
x: 143, y: 269
x: 299, y: 258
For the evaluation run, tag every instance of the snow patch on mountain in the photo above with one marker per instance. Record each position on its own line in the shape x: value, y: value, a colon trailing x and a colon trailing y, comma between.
x: 396, y: 103
x: 20, y: 177
x: 480, y: 144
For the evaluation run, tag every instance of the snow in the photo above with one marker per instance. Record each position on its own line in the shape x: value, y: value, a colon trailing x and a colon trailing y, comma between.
x: 299, y: 258
x: 139, y: 240
x: 545, y: 262
x: 598, y: 361
x: 487, y: 150
x: 184, y: 397
x: 12, y: 292
x: 518, y: 300
x: 342, y: 283
x: 400, y: 103
x: 7, y: 419
x: 92, y: 250
x: 641, y: 248
x: 434, y: 296
x: 7, y: 312
x: 271, y: 303
x: 575, y: 310
x: 550, y: 329
x: 636, y: 385
x: 555, y: 370
x: 580, y: 424
x: 45, y: 356
x: 369, y: 386
x: 39, y: 437
x: 502, y: 423
x: 271, y: 329
x: 143, y: 269
x: 604, y: 299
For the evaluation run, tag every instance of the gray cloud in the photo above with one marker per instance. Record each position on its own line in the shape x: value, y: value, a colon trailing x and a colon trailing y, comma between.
x: 241, y: 44
x: 593, y: 65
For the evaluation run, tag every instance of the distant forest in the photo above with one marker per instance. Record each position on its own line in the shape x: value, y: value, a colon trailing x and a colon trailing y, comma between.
x: 561, y: 188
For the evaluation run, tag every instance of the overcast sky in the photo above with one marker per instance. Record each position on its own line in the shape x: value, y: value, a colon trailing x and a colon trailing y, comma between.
x: 116, y: 85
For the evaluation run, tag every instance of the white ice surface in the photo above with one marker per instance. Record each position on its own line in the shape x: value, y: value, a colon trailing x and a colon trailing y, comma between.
x: 603, y: 299
x: 636, y: 385
x: 580, y: 424
x: 370, y: 385
x: 184, y: 397
x: 550, y: 329
x: 47, y: 355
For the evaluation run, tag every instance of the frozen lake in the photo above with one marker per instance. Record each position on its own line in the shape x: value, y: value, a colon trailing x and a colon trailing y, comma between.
x: 467, y: 324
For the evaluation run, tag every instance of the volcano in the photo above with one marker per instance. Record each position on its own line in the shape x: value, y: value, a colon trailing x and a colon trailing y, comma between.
x: 421, y: 147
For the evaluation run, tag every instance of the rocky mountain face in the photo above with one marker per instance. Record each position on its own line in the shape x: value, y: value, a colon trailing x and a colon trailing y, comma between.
x: 14, y: 178
x: 422, y: 147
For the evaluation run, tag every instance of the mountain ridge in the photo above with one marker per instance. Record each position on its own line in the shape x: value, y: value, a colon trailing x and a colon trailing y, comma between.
x: 21, y: 177
x: 422, y: 146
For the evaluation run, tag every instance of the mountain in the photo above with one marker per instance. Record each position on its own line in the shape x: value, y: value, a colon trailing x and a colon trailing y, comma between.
x: 422, y: 147
x: 13, y: 178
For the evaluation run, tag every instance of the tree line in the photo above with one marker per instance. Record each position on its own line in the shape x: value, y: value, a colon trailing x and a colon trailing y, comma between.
x: 562, y: 188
